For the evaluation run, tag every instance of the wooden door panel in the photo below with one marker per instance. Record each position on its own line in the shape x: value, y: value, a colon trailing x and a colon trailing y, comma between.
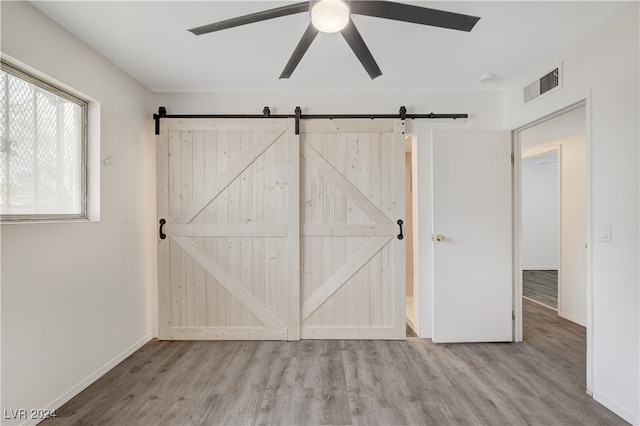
x: 229, y: 267
x: 352, y: 195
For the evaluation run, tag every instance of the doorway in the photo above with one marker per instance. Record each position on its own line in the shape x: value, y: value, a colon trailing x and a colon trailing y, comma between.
x: 540, y: 228
x: 560, y: 137
x: 566, y: 131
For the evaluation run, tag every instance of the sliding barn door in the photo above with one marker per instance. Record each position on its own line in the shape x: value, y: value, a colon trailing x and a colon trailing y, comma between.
x: 352, y: 195
x: 229, y: 195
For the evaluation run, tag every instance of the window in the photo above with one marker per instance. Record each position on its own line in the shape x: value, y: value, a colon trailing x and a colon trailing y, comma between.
x: 42, y: 149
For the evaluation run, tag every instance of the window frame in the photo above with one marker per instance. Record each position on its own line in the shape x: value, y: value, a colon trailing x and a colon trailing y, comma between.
x: 51, y: 87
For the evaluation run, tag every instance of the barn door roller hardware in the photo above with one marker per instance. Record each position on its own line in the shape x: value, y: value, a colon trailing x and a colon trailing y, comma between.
x: 266, y: 113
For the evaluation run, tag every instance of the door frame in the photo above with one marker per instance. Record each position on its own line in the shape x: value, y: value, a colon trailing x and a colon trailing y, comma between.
x: 411, y: 148
x: 584, y: 101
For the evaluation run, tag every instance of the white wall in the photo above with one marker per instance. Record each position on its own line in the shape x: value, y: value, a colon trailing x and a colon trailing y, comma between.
x: 539, y: 243
x: 77, y: 297
x: 603, y: 68
x: 484, y: 109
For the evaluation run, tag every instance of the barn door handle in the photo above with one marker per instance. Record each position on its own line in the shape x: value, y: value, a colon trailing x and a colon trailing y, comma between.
x: 400, y: 222
x: 162, y: 234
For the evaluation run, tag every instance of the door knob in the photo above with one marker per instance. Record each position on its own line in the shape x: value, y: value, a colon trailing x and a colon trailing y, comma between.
x: 440, y: 237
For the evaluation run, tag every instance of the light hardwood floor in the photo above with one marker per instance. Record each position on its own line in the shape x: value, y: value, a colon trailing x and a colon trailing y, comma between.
x: 541, y: 286
x: 540, y: 381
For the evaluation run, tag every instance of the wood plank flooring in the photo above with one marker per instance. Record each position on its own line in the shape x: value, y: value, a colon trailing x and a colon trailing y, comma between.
x: 540, y: 381
x: 541, y: 286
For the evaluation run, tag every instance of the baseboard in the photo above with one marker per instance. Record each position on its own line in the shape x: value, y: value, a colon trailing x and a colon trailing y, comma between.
x: 617, y: 409
x: 539, y: 303
x: 411, y: 324
x: 573, y: 318
x: 66, y: 397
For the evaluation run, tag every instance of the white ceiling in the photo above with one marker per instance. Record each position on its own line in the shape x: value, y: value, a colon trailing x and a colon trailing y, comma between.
x: 149, y: 40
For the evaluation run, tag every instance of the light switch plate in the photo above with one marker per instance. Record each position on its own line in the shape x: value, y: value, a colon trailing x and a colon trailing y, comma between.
x: 604, y: 232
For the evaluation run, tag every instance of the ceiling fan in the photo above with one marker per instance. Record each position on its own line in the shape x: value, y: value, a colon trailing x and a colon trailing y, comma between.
x: 330, y: 16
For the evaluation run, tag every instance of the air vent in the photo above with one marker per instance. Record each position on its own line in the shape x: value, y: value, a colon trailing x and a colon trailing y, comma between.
x: 544, y: 84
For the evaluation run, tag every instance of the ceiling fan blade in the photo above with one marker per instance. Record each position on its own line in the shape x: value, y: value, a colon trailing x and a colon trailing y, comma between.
x: 304, y: 43
x: 414, y: 14
x: 357, y: 44
x: 253, y: 17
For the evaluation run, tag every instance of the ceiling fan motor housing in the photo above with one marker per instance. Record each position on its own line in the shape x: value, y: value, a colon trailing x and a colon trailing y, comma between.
x: 330, y: 16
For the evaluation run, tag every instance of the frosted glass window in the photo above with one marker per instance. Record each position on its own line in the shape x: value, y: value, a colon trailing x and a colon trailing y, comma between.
x: 42, y: 149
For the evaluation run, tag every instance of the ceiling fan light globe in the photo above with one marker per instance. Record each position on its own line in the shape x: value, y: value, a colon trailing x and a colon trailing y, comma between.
x: 330, y: 16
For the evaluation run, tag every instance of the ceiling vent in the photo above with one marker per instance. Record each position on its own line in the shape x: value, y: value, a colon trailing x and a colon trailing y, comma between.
x: 543, y: 85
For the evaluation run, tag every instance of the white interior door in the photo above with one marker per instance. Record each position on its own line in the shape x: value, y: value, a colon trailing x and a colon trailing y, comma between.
x: 353, y: 264
x: 229, y: 266
x: 472, y: 227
